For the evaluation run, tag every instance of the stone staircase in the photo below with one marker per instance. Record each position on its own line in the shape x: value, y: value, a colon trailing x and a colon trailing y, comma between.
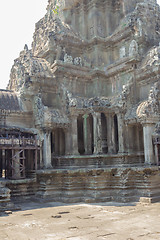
x: 5, y: 200
x: 22, y: 189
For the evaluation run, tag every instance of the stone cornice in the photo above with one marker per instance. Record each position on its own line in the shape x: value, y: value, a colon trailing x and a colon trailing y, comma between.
x: 20, y: 114
x: 90, y: 4
x: 13, y: 112
x: 109, y: 41
x: 124, y: 64
x: 70, y: 70
x: 144, y: 75
x: 150, y: 120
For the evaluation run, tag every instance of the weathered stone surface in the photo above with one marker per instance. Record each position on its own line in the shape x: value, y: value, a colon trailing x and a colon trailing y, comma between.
x: 5, y: 200
x: 99, y: 185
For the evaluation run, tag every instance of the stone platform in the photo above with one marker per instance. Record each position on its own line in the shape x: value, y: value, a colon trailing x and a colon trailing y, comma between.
x: 91, y: 179
x: 114, y: 184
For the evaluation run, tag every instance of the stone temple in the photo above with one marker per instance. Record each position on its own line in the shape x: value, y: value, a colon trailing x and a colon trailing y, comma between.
x: 80, y: 118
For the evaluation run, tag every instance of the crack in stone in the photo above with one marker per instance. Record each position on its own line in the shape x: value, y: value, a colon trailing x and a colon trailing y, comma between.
x: 105, y: 235
x: 63, y: 212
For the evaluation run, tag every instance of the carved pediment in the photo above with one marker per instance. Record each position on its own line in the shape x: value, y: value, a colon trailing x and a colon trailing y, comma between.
x: 151, y: 107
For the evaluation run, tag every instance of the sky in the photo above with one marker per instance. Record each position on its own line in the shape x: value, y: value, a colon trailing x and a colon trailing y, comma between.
x: 17, y: 24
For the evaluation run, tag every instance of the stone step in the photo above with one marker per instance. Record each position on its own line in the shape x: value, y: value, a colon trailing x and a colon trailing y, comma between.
x: 97, y: 161
x: 5, y: 198
x: 22, y: 189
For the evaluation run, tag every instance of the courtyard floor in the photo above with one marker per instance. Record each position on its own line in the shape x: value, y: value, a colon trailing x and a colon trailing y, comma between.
x: 81, y: 222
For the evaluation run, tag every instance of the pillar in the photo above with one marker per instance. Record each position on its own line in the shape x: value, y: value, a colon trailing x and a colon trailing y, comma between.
x: 3, y: 158
x: 61, y: 142
x: 120, y: 132
x: 127, y: 141
x: 1, y: 164
x: 156, y: 154
x: 41, y: 158
x: 47, y: 150
x: 16, y: 165
x: 94, y: 10
x: 97, y: 133
x: 41, y: 134
x: 74, y: 134
x: 148, y: 129
x: 87, y: 135
x: 110, y: 133
x: 67, y: 142
x: 84, y: 24
x: 107, y: 20
x: 29, y: 162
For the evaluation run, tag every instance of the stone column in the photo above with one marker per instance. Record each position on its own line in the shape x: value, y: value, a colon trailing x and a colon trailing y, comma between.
x: 3, y: 160
x: 1, y: 164
x: 87, y: 135
x: 47, y: 150
x: 61, y: 142
x: 41, y: 148
x: 107, y: 21
x: 156, y: 154
x: 127, y: 141
x: 41, y: 158
x: 67, y: 142
x: 148, y: 129
x: 94, y: 10
x: 110, y: 133
x: 97, y: 128
x: 16, y: 165
x: 74, y: 134
x: 84, y: 24
x: 120, y: 132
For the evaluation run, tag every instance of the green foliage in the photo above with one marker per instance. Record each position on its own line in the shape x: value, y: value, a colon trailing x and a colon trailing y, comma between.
x: 55, y: 10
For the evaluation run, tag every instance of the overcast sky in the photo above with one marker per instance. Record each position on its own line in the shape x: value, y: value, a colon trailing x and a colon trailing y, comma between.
x: 17, y: 23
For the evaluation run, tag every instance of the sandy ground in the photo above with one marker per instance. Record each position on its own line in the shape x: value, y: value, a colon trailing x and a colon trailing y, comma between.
x: 81, y: 222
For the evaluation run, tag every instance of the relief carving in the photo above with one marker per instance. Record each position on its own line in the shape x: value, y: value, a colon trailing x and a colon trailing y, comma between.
x: 68, y: 59
x: 78, y: 61
x: 150, y: 108
x: 133, y: 48
x: 38, y: 109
